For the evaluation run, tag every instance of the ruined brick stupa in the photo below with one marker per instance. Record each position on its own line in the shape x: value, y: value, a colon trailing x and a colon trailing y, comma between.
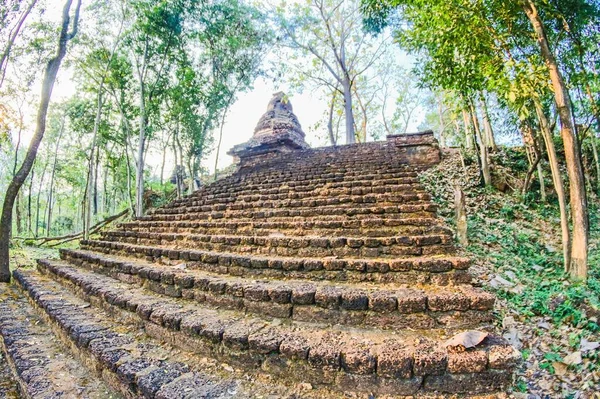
x: 278, y: 131
x: 313, y: 273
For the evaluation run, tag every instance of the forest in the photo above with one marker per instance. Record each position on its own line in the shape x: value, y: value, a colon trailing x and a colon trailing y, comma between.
x: 110, y: 108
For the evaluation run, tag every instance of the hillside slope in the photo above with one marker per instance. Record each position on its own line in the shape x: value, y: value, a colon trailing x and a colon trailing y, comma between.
x: 515, y: 247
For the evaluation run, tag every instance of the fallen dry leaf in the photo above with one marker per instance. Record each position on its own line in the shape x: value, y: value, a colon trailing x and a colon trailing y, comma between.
x: 468, y: 339
x: 588, y: 345
x: 573, y: 358
x: 560, y: 368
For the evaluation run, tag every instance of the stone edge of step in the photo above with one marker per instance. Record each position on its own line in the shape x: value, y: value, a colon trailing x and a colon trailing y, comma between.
x: 426, y: 361
x: 134, y: 375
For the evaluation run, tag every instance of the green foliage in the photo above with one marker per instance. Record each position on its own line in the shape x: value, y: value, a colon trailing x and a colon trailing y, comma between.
x: 520, y: 241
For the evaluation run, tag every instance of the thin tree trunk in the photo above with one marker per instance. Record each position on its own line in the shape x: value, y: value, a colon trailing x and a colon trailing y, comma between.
x: 578, y: 267
x: 16, y: 163
x: 129, y: 186
x: 332, y: 137
x: 95, y: 185
x: 18, y: 214
x: 485, y: 161
x: 29, y: 229
x: 350, y: 134
x: 533, y: 154
x: 540, y: 172
x: 442, y: 122
x: 487, y: 124
x: 468, y: 134
x: 15, y: 185
x: 37, y: 212
x: 89, y: 193
x: 558, y: 183
x: 139, y: 174
x: 51, y: 189
x: 162, y: 164
x: 596, y: 159
x: 220, y: 139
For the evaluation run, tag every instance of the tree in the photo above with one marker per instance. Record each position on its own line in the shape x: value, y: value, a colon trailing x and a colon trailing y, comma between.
x: 488, y: 46
x: 329, y: 32
x: 579, y: 245
x: 17, y: 181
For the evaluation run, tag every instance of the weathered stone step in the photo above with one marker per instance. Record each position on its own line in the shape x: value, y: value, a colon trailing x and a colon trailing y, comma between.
x: 309, y: 246
x: 404, y: 363
x: 329, y: 206
x: 43, y: 367
x: 282, y: 190
x: 299, y: 177
x: 285, y: 189
x: 274, y: 229
x: 424, y: 270
x: 310, y: 199
x: 331, y: 223
x: 376, y: 227
x: 131, y: 365
x: 402, y: 211
x: 379, y: 183
x: 389, y: 306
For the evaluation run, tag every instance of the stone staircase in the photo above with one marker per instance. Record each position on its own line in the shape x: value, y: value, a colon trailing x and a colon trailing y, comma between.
x: 316, y: 273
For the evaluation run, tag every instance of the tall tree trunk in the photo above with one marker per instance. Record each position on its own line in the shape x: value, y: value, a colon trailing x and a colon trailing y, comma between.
x: 95, y: 185
x: 332, y: 136
x: 485, y: 160
x: 162, y: 164
x: 442, y: 122
x: 18, y: 180
x: 558, y: 183
x: 540, y: 172
x: 220, y: 139
x: 51, y: 189
x: 487, y: 124
x: 596, y: 159
x: 37, y: 206
x: 190, y: 166
x: 29, y: 218
x: 129, y: 185
x: 350, y: 134
x: 533, y: 154
x: 578, y: 267
x: 139, y: 172
x: 18, y: 214
x: 468, y: 134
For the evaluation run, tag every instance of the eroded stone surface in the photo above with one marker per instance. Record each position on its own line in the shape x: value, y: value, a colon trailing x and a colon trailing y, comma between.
x: 321, y: 268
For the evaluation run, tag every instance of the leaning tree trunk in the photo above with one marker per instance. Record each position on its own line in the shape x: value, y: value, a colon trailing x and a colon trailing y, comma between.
x: 578, y: 267
x: 17, y: 181
x: 558, y: 183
